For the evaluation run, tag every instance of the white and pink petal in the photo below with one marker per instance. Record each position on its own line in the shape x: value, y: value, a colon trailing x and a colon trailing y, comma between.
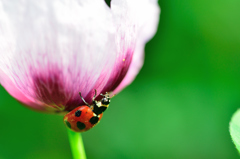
x: 138, y: 21
x: 51, y: 50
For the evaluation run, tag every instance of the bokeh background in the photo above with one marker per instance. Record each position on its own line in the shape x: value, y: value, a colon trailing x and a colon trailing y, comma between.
x: 179, y: 106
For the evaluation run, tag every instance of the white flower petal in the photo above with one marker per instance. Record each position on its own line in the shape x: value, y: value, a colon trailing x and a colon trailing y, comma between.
x: 66, y: 44
x: 137, y: 21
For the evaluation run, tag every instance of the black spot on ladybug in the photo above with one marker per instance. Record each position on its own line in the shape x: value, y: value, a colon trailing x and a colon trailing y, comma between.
x: 81, y: 125
x: 94, y: 120
x: 78, y: 113
x: 68, y: 124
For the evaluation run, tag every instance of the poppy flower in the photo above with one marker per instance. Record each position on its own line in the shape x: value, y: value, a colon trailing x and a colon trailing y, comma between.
x: 50, y: 50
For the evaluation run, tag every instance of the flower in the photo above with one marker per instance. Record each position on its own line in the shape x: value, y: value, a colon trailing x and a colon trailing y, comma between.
x: 52, y: 50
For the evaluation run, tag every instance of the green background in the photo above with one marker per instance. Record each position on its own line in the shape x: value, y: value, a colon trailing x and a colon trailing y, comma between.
x: 179, y: 106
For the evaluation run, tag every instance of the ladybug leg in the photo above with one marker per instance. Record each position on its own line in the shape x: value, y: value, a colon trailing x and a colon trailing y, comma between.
x: 95, y: 95
x: 113, y: 95
x: 84, y: 100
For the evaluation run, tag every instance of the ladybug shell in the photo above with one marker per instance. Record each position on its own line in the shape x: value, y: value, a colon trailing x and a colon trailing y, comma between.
x: 81, y: 119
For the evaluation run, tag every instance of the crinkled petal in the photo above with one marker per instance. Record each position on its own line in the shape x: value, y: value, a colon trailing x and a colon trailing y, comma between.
x: 138, y: 21
x: 51, y: 50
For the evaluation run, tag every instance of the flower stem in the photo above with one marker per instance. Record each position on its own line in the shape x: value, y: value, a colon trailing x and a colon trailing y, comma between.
x: 76, y: 144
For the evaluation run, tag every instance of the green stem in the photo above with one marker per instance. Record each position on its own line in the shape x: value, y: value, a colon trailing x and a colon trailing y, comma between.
x: 76, y: 144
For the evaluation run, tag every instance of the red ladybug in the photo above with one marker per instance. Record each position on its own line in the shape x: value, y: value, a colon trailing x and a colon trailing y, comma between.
x: 85, y: 117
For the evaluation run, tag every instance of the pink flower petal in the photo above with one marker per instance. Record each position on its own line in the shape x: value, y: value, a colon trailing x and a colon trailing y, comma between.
x: 141, y: 19
x: 16, y: 93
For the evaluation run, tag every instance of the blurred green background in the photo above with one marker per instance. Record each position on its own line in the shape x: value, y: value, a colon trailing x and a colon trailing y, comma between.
x: 179, y: 106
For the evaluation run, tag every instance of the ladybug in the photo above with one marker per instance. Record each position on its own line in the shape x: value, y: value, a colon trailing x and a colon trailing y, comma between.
x: 85, y: 117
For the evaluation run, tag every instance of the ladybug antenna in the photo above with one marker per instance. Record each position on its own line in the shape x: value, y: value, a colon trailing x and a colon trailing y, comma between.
x: 94, y: 95
x: 105, y: 95
x: 83, y: 99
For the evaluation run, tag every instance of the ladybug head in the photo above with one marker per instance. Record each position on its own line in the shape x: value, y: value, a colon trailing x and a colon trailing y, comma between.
x: 106, y: 99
